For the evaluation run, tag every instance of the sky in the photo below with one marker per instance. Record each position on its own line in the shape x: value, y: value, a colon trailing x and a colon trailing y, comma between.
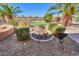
x: 32, y: 9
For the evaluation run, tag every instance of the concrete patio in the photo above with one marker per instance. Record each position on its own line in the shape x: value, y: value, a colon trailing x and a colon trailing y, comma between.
x: 73, y: 33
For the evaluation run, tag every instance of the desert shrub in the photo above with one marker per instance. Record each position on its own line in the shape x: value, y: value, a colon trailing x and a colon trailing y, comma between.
x: 13, y: 22
x: 23, y: 24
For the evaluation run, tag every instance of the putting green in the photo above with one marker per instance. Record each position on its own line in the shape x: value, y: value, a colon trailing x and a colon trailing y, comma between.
x: 38, y: 23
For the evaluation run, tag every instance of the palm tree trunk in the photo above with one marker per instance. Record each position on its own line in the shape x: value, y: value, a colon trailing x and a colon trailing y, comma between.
x: 67, y: 20
x: 10, y: 19
x: 64, y: 21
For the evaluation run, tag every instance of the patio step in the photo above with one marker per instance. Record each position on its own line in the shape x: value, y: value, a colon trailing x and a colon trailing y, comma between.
x: 74, y: 37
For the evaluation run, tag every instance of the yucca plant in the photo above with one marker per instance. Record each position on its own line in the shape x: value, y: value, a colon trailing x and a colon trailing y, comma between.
x: 22, y: 34
x: 22, y: 31
x: 58, y: 31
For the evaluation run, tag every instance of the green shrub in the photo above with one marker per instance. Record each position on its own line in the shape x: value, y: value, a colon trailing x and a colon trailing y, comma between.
x: 22, y: 34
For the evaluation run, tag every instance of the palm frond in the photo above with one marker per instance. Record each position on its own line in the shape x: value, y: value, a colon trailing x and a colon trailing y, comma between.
x: 16, y: 8
x: 53, y: 8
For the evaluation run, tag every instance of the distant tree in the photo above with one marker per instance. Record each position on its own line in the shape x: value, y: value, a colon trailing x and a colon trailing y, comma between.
x: 48, y: 17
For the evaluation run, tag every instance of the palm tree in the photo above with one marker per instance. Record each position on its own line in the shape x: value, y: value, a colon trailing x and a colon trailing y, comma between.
x: 2, y: 13
x: 2, y: 16
x: 67, y: 10
x: 10, y: 11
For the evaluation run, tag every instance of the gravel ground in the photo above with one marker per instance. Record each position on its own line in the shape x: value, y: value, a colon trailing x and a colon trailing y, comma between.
x: 11, y: 47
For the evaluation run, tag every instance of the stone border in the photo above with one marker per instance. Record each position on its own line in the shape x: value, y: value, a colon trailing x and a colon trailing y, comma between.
x: 41, y: 40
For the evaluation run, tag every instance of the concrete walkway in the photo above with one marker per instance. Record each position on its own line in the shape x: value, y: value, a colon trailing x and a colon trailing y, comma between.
x: 73, y: 33
x: 74, y: 37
